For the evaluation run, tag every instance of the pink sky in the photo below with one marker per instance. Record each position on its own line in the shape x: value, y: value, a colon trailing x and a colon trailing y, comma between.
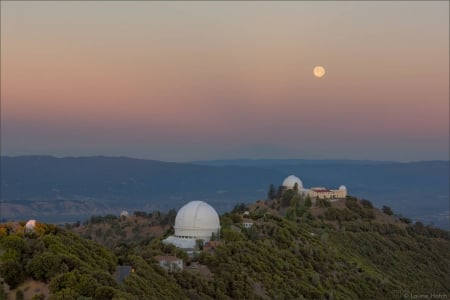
x: 196, y: 80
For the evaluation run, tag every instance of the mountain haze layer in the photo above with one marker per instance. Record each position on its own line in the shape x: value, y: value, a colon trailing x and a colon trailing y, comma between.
x: 71, y: 187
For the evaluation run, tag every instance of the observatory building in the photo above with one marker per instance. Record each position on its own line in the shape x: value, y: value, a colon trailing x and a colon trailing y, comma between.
x: 30, y: 226
x: 314, y: 192
x: 195, y: 220
x: 290, y: 181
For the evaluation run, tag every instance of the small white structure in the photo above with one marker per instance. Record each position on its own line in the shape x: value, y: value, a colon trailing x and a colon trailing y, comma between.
x: 314, y: 192
x: 170, y: 263
x: 124, y: 214
x: 196, y: 220
x: 246, y: 213
x: 247, y: 224
x: 30, y: 225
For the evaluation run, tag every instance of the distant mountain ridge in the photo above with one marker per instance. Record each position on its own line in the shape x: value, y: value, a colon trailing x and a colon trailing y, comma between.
x: 127, y: 182
x: 285, y: 161
x: 417, y: 189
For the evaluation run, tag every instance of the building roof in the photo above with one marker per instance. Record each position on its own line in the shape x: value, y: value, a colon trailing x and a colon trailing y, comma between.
x: 197, y: 215
x: 166, y: 258
x: 291, y: 180
x: 122, y: 272
x: 320, y: 190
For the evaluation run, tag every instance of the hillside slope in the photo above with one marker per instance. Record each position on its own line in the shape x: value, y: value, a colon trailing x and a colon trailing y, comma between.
x: 341, y: 250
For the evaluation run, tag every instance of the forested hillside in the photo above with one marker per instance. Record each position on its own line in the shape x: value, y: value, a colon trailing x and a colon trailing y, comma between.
x: 295, y: 250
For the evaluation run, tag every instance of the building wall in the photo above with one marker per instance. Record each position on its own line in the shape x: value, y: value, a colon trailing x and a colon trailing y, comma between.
x: 247, y: 224
x: 172, y: 266
x: 195, y: 233
x: 332, y: 194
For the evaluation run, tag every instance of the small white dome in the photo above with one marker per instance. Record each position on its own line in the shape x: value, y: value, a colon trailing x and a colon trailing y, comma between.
x: 124, y: 213
x: 342, y: 187
x: 197, y: 219
x: 29, y: 226
x: 290, y: 182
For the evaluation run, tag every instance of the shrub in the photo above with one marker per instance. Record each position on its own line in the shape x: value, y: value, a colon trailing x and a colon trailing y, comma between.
x: 20, y: 295
x: 104, y: 293
x: 387, y: 210
x: 366, y: 203
x: 11, y: 271
x: 44, y: 266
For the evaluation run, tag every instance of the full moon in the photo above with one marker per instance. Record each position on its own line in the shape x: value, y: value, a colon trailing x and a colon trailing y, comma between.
x: 319, y: 71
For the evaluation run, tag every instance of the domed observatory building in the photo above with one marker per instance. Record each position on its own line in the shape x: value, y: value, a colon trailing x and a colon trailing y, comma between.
x: 289, y: 184
x: 195, y: 220
x: 30, y: 226
x: 314, y: 192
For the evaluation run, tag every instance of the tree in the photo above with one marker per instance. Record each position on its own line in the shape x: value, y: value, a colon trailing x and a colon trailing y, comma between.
x: 239, y: 208
x: 308, y: 202
x: 366, y: 203
x: 11, y: 271
x: 65, y: 294
x: 20, y: 295
x: 104, y: 293
x: 280, y: 191
x: 387, y: 210
x: 199, y: 245
x: 295, y: 187
x: 236, y: 219
x: 87, y: 285
x: 404, y: 219
x: 2, y: 292
x: 44, y: 266
x: 230, y: 235
x: 287, y: 196
x: 170, y: 217
x: 272, y: 192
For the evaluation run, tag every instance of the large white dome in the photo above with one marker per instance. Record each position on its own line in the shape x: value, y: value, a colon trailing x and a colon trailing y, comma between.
x: 196, y: 219
x: 290, y: 182
x: 342, y: 187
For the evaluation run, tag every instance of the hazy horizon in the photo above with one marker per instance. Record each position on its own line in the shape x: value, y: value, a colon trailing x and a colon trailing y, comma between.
x: 184, y: 81
x: 224, y: 159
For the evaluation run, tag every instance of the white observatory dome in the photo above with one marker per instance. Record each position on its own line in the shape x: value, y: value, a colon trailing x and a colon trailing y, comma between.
x: 290, y: 182
x: 342, y: 187
x: 30, y: 225
x: 124, y: 214
x: 196, y: 219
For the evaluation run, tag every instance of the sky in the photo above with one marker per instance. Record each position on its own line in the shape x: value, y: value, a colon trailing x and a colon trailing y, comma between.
x: 181, y: 81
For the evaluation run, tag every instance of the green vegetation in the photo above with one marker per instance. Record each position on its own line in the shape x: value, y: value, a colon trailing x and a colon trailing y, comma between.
x: 114, y: 232
x: 304, y: 250
x: 387, y: 210
x: 272, y: 193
